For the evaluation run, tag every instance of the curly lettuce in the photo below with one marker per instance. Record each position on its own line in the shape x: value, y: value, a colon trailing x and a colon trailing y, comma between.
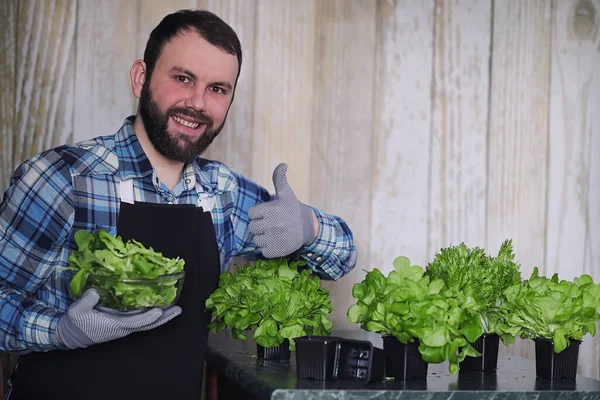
x: 479, y: 277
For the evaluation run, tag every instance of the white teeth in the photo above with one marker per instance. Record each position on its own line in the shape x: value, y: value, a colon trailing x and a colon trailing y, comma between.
x: 192, y: 125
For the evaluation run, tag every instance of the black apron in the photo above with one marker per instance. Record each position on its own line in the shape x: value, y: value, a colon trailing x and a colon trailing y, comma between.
x: 163, y: 363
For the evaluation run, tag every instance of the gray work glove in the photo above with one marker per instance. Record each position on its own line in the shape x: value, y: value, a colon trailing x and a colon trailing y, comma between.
x: 83, y: 326
x: 283, y: 225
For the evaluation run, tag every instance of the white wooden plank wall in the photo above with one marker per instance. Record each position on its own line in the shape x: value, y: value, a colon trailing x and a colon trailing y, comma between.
x: 238, y: 130
x: 8, y: 50
x: 422, y: 123
x: 573, y: 241
x: 457, y: 185
x: 401, y: 135
x: 103, y: 59
x: 340, y: 168
x: 518, y: 136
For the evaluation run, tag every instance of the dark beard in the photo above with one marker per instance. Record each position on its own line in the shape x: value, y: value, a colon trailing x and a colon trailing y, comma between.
x: 176, y: 147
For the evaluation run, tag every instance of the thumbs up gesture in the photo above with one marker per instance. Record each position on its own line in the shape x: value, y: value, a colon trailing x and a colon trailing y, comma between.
x: 283, y: 225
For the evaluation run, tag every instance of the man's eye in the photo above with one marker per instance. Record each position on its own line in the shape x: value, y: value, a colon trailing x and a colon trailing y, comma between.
x: 182, y: 79
x: 217, y: 90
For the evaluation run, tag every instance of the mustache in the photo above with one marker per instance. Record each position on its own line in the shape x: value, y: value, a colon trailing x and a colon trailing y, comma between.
x: 198, y: 116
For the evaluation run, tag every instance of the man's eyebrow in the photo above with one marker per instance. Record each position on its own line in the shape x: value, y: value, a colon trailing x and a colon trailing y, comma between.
x: 184, y: 71
x: 226, y: 85
x: 181, y: 70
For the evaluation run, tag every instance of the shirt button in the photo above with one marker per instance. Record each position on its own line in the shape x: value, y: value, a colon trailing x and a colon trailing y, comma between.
x: 309, y: 254
x: 188, y: 181
x: 318, y: 258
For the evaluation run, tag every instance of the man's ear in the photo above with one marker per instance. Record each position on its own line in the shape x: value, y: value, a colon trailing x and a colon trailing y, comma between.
x: 138, y: 77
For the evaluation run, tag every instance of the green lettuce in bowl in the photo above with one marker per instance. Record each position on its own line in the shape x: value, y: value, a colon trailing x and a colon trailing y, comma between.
x: 128, y: 276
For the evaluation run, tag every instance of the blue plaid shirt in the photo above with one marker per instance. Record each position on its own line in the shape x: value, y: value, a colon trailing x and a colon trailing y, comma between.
x: 68, y: 188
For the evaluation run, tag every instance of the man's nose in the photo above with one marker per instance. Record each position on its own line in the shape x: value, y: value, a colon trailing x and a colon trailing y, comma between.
x: 196, y: 99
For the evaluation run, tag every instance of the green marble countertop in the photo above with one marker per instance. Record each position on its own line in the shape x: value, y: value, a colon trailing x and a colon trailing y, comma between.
x: 276, y: 380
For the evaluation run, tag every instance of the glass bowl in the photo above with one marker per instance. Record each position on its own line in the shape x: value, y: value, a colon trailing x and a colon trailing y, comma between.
x: 135, y: 295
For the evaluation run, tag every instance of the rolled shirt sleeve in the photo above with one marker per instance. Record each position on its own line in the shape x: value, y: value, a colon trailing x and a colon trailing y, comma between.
x: 333, y: 253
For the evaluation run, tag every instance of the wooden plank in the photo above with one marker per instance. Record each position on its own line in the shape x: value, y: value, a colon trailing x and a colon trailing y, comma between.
x: 233, y: 146
x: 150, y: 13
x: 518, y: 135
x: 400, y: 166
x: 573, y: 238
x: 8, y: 47
x: 284, y: 89
x: 44, y: 81
x: 340, y: 179
x: 459, y: 130
x: 103, y: 97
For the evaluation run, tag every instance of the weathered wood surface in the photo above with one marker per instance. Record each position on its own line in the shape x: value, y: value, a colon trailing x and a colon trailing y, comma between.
x: 422, y: 123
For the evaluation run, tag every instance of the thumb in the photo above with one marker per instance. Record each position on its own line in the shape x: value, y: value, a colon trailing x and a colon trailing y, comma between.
x: 282, y: 188
x: 87, y: 302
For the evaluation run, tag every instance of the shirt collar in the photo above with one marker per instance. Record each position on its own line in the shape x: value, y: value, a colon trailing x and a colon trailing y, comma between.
x: 133, y: 162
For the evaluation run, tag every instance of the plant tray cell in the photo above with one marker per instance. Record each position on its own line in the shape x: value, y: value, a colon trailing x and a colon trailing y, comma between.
x: 487, y: 345
x: 403, y: 360
x: 554, y: 366
x: 281, y: 352
x: 315, y: 357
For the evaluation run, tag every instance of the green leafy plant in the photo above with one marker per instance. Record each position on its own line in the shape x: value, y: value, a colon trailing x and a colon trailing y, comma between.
x: 272, y: 299
x: 119, y: 270
x: 409, y: 305
x: 479, y: 277
x: 554, y: 309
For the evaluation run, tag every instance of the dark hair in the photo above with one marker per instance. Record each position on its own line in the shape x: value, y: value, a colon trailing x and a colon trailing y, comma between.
x: 208, y: 25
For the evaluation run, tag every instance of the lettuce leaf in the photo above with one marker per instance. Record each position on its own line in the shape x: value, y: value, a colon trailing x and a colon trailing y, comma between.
x: 103, y: 260
x: 481, y: 278
x: 273, y: 299
x: 409, y: 305
x: 550, y: 308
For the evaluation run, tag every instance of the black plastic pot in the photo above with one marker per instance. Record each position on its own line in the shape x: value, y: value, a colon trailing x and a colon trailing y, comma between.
x: 281, y: 352
x: 359, y: 360
x: 403, y: 360
x: 553, y: 366
x: 315, y: 357
x: 487, y: 345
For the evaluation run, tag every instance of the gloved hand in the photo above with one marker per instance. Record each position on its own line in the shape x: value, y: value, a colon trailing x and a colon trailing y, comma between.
x: 83, y: 326
x: 283, y: 225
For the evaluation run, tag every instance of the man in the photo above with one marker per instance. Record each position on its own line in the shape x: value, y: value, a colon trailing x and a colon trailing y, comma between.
x: 146, y: 182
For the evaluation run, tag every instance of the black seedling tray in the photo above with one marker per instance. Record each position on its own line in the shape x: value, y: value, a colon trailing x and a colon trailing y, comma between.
x: 359, y: 360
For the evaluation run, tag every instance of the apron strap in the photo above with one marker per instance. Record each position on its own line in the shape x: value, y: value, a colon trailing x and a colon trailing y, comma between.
x: 126, y: 191
x: 206, y: 201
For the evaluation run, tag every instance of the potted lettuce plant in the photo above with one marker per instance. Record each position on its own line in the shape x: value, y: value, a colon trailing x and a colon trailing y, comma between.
x: 420, y: 319
x: 482, y: 279
x: 273, y: 299
x: 556, y: 314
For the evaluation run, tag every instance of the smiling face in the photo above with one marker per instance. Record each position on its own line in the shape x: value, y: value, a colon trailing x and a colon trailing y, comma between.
x: 184, y: 103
